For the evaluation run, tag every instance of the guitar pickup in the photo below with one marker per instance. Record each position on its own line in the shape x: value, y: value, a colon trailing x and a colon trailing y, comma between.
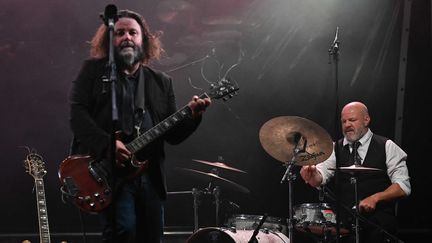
x: 70, y: 186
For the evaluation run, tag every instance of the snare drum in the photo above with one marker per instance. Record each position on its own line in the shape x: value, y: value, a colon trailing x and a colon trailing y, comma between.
x: 224, y: 235
x: 316, y: 218
x: 250, y: 222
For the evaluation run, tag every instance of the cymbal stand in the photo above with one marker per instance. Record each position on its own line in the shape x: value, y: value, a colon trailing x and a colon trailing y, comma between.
x: 196, y: 193
x: 290, y: 177
x: 216, y: 193
x: 357, y: 227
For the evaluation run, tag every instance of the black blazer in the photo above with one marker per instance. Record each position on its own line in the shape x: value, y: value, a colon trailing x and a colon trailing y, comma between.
x: 90, y: 115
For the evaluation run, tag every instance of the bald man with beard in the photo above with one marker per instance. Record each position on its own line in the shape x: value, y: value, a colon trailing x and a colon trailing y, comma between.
x: 377, y: 192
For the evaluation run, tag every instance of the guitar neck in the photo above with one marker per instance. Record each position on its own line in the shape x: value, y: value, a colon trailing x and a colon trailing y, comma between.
x: 42, y: 212
x: 161, y: 128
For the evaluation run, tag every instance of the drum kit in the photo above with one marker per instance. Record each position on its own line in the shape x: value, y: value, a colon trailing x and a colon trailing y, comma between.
x: 295, y: 141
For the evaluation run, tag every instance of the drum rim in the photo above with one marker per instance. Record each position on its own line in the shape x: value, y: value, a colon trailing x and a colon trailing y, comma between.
x: 313, y: 205
x: 256, y: 216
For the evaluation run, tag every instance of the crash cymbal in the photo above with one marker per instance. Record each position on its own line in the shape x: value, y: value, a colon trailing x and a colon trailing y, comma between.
x: 354, y: 169
x: 211, y: 177
x: 280, y: 135
x: 219, y: 165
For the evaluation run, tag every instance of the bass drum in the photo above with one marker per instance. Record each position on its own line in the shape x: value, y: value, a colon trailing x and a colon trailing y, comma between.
x: 224, y: 235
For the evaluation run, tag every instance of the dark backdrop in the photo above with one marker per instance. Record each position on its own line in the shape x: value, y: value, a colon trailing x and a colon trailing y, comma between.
x: 276, y: 50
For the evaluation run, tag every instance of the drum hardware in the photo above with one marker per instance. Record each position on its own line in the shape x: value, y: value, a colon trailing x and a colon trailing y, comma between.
x: 354, y: 171
x: 212, y: 188
x: 295, y: 141
x: 253, y: 238
x: 317, y: 219
x: 196, y: 193
x: 250, y: 222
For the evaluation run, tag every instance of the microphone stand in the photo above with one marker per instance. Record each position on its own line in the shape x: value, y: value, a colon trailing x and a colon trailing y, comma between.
x: 109, y: 18
x: 333, y: 51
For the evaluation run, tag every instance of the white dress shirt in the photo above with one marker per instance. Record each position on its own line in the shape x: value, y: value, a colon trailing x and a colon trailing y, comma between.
x: 397, y: 169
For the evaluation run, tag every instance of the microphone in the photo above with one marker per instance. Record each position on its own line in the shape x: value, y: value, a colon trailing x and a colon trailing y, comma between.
x: 335, y: 43
x: 110, y: 15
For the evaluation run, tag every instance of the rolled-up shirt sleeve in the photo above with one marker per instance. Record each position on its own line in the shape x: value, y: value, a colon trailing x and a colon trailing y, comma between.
x: 324, y: 168
x: 396, y: 166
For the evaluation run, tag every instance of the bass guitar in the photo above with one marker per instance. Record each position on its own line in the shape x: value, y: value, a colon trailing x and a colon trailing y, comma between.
x: 86, y: 181
x: 35, y: 166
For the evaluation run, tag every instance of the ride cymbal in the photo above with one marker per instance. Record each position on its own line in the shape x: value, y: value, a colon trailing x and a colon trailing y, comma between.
x: 219, y: 165
x: 279, y: 137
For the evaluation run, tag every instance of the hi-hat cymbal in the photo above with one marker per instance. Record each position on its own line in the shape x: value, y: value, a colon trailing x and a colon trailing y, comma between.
x: 210, y: 177
x: 280, y: 135
x: 219, y: 165
x: 357, y: 169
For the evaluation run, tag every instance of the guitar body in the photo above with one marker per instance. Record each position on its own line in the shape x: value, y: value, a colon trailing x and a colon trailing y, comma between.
x: 87, y: 180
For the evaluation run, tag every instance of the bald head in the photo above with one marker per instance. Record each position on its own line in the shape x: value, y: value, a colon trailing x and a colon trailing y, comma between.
x: 356, y: 106
x: 354, y: 120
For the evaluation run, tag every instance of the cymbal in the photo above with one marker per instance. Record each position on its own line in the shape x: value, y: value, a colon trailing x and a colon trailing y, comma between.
x: 353, y: 169
x: 216, y: 179
x: 280, y: 135
x: 219, y: 165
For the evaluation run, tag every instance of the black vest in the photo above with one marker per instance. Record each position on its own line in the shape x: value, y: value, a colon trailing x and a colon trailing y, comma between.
x: 368, y: 183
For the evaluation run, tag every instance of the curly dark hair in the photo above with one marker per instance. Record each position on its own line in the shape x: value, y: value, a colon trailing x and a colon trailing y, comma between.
x: 151, y: 44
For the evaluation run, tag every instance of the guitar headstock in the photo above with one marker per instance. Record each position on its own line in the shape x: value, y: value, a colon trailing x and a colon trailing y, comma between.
x: 224, y: 89
x: 35, y: 165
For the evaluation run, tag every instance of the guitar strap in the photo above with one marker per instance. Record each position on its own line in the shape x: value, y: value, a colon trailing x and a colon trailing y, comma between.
x: 140, y: 92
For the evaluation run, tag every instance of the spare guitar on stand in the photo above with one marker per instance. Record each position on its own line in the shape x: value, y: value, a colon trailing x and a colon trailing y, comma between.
x: 35, y: 166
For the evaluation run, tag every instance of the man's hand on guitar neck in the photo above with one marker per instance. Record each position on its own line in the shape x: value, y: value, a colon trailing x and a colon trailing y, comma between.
x: 122, y: 154
x: 198, y: 105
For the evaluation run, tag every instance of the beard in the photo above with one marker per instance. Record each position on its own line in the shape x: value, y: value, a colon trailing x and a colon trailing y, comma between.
x: 128, y: 54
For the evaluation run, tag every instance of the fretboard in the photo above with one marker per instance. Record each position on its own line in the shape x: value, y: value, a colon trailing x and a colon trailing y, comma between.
x: 42, y: 212
x: 159, y: 130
